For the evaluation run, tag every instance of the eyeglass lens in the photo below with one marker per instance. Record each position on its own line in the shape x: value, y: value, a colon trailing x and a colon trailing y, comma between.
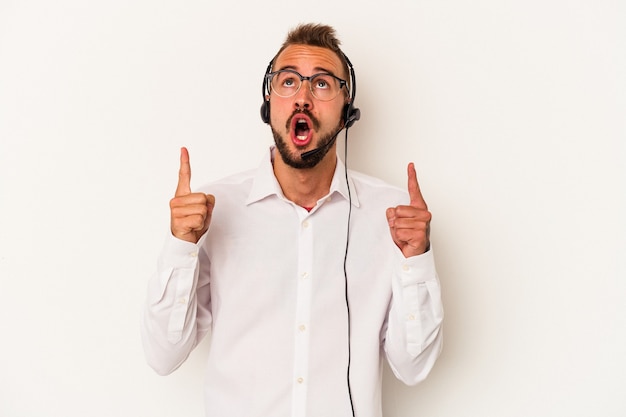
x: 323, y: 86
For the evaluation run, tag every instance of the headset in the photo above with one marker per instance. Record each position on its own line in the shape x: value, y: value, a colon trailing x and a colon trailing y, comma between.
x: 350, y: 113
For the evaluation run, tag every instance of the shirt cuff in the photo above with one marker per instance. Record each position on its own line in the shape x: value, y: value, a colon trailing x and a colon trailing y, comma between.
x: 178, y: 253
x: 416, y: 269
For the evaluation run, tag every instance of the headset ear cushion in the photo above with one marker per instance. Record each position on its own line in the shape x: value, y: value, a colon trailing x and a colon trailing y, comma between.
x: 352, y: 114
x: 265, y: 111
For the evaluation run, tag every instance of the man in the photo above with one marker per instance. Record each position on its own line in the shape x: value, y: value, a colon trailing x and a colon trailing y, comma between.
x: 303, y: 281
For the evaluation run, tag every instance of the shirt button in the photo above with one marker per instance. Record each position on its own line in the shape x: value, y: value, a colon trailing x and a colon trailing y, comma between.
x: 405, y: 268
x: 182, y: 300
x: 304, y: 275
x: 300, y: 380
x: 302, y: 327
x: 305, y: 224
x: 193, y: 254
x: 411, y: 317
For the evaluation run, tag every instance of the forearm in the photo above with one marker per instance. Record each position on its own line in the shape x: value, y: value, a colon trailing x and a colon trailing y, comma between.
x: 176, y: 314
x: 413, y: 338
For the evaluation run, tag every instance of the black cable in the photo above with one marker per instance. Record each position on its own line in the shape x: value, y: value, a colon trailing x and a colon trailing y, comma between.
x: 345, y: 272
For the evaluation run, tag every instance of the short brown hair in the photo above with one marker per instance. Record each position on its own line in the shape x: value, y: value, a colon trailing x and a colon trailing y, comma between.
x: 315, y: 34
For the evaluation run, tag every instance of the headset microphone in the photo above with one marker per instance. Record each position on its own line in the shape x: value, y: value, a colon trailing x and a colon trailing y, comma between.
x: 311, y: 153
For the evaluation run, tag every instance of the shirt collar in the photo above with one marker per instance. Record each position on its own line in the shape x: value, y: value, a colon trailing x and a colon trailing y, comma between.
x: 265, y: 184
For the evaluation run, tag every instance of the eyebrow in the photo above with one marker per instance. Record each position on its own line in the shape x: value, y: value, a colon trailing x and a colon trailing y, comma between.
x: 317, y: 70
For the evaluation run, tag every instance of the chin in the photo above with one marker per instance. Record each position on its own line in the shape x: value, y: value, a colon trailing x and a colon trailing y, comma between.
x: 293, y: 158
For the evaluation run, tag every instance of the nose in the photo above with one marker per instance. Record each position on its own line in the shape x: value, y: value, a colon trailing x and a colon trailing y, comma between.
x: 304, y: 97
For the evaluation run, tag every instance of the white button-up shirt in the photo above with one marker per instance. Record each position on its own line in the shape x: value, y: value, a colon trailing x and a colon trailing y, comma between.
x: 267, y: 282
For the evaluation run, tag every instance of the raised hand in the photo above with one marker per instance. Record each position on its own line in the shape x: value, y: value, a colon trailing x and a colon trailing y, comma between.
x: 410, y: 225
x: 190, y: 212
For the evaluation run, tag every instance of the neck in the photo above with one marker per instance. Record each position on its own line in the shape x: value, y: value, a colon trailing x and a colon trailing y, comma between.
x: 305, y: 187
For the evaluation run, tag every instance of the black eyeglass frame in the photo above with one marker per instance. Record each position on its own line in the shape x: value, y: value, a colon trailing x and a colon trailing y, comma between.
x: 270, y: 75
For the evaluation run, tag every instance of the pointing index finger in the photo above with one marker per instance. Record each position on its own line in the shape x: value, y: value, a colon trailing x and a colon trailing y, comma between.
x: 184, y: 174
x: 414, y: 189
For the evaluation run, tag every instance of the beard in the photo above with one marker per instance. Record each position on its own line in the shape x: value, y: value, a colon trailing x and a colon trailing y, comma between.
x: 293, y: 159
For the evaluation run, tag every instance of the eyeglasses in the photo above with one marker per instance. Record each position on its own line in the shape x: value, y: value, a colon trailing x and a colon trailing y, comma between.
x: 324, y: 86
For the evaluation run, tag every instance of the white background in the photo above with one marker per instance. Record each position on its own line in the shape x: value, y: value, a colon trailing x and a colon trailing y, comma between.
x: 513, y: 111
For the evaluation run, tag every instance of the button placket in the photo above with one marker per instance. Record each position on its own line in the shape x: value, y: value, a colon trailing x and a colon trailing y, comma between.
x: 410, y: 296
x: 302, y: 317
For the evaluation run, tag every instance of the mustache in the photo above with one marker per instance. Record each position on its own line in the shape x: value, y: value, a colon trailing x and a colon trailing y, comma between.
x: 306, y: 112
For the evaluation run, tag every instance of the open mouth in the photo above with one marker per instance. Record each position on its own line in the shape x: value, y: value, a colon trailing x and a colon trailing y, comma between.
x: 301, y: 129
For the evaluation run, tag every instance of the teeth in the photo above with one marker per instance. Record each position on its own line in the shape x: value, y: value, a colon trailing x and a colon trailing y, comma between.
x: 301, y: 121
x: 301, y: 137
